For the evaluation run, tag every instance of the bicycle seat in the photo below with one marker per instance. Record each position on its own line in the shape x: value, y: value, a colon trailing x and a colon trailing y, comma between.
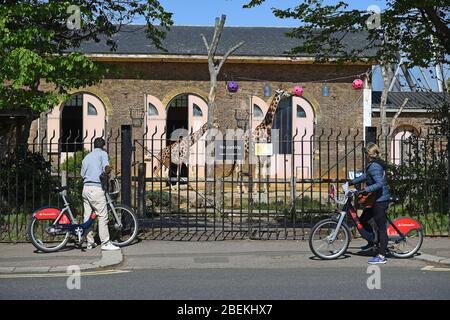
x: 395, y: 199
x: 61, y: 189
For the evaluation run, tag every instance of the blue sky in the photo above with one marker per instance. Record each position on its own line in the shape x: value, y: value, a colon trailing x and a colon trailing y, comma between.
x: 204, y: 12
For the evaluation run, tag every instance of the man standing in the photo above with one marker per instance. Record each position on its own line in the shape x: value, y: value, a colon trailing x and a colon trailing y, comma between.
x: 95, y: 164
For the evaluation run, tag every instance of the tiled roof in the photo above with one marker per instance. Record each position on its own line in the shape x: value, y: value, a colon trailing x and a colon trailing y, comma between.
x: 417, y: 100
x: 186, y: 40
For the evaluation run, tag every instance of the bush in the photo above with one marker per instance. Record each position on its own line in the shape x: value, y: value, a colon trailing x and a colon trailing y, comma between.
x: 25, y: 181
x: 161, y: 201
x: 421, y: 180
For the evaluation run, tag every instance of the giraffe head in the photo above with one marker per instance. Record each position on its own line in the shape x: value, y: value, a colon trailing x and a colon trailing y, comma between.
x: 268, y: 119
x: 281, y: 93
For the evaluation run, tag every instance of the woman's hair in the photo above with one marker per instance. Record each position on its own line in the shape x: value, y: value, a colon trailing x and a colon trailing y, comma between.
x: 373, y: 151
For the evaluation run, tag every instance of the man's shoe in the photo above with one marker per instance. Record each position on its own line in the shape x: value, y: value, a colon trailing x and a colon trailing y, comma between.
x: 379, y: 259
x: 109, y: 247
x: 91, y: 246
x: 368, y: 247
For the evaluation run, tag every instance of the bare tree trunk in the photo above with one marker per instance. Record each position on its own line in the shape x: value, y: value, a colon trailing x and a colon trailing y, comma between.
x: 385, y: 73
x: 214, y: 66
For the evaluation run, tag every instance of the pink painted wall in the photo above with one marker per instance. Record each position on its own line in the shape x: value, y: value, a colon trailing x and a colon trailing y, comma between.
x: 156, y: 125
x: 396, y: 147
x: 197, y: 152
x: 93, y: 126
x: 281, y: 165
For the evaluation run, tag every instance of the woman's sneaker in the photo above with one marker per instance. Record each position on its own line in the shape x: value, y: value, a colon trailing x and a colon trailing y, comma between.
x: 379, y: 259
x: 109, y: 247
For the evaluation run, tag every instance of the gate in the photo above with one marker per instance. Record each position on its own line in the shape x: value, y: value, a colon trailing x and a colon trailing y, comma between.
x: 279, y: 200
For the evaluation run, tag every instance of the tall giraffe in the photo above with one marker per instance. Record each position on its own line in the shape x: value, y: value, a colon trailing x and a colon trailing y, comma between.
x: 177, y: 153
x: 263, y: 131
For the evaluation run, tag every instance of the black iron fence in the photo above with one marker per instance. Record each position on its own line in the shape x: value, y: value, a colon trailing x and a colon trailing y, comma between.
x: 280, y: 194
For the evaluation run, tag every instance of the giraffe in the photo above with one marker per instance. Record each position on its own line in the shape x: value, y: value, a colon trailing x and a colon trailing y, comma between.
x: 177, y: 153
x: 262, y: 132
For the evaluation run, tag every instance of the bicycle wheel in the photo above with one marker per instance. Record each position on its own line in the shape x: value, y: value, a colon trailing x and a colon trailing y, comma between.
x: 45, y: 237
x: 122, y: 236
x: 320, y: 243
x: 408, y: 246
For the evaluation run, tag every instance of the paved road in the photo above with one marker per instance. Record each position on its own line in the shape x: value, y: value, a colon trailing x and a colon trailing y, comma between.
x: 410, y: 281
x: 235, y: 270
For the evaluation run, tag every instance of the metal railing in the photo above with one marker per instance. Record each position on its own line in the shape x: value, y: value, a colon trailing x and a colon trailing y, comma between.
x: 281, y: 200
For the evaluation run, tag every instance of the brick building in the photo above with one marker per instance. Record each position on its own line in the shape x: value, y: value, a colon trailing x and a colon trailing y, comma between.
x: 172, y: 88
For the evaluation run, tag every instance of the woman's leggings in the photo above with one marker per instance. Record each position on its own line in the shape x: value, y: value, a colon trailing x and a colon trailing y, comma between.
x: 378, y: 214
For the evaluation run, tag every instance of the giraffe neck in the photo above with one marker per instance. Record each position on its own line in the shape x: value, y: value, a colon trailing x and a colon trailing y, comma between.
x: 194, y: 137
x: 270, y: 115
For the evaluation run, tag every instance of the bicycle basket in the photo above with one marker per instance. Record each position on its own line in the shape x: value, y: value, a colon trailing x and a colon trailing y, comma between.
x: 114, y: 188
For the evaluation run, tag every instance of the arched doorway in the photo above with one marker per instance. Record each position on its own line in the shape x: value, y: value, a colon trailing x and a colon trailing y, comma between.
x: 72, y: 124
x: 400, y: 146
x: 186, y: 113
x: 294, y: 120
x: 75, y: 124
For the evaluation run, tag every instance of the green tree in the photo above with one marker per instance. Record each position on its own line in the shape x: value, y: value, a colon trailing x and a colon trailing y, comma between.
x: 417, y: 29
x: 39, y: 40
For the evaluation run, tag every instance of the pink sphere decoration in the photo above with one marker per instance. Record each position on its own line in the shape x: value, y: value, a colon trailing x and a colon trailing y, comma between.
x: 298, y: 90
x: 357, y: 84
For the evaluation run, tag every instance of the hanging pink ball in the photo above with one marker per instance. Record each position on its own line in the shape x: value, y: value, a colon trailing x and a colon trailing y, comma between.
x: 232, y: 86
x: 357, y: 84
x: 298, y: 90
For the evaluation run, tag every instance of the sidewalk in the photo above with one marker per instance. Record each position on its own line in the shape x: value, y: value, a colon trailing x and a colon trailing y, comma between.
x: 23, y: 258
x: 436, y: 250
x: 260, y: 254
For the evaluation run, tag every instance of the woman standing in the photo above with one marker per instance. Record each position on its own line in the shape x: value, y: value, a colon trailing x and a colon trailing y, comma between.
x: 375, y: 177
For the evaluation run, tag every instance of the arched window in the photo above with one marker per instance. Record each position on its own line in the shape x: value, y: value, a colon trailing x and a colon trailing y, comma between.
x: 197, y: 112
x: 257, y: 112
x: 92, y: 111
x: 180, y: 101
x: 152, y: 111
x: 300, y: 112
x: 401, y: 146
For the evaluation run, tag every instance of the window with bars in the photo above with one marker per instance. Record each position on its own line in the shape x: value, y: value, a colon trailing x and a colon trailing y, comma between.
x: 75, y: 101
x: 180, y: 101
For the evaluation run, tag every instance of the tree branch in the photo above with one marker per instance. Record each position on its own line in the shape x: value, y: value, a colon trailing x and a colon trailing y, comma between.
x: 394, y: 119
x: 220, y: 22
x: 230, y: 51
x: 205, y: 42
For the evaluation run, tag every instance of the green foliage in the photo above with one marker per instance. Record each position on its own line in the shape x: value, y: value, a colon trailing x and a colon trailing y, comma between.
x: 161, y: 201
x: 421, y: 179
x: 73, y: 163
x: 409, y: 26
x: 25, y: 181
x: 37, y: 45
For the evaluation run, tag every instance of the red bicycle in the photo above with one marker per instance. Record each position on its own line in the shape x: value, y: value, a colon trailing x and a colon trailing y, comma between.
x: 330, y: 238
x: 50, y: 228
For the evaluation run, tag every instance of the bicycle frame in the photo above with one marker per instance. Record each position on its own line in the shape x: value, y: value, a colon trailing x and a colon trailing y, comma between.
x: 65, y: 221
x: 396, y: 230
